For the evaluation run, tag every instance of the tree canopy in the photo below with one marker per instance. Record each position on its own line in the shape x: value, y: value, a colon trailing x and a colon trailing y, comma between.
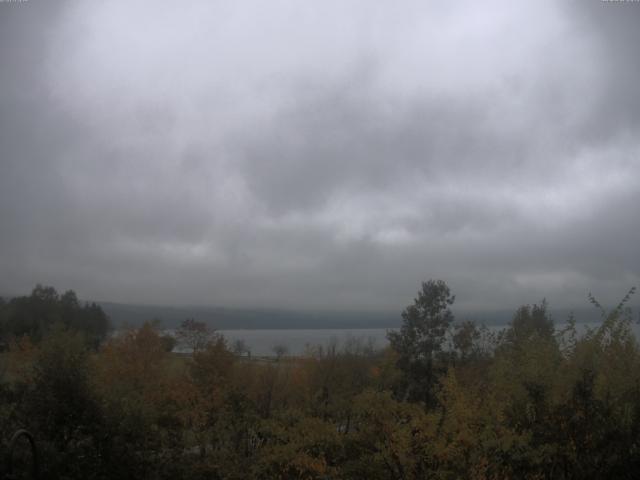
x: 36, y: 314
x: 445, y: 400
x: 419, y: 342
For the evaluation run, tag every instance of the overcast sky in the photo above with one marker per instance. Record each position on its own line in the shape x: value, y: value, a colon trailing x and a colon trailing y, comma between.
x: 320, y: 154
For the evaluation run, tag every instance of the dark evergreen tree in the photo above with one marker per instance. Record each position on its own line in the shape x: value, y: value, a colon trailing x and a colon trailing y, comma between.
x: 35, y: 315
x: 420, y: 340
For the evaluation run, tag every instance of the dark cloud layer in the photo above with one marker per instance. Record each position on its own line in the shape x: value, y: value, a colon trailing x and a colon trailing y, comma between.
x: 327, y: 155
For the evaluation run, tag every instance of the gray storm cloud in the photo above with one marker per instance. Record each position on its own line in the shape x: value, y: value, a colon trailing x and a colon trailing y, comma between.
x: 320, y: 154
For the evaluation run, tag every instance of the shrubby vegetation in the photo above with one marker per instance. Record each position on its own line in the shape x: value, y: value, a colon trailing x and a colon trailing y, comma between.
x: 446, y: 400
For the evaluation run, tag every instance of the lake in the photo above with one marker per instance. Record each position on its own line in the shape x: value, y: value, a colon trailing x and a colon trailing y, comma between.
x: 262, y: 342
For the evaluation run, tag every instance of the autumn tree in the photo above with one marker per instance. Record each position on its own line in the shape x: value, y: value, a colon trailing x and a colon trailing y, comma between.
x: 62, y: 406
x: 529, y: 321
x: 194, y: 335
x: 241, y: 348
x: 133, y: 378
x: 465, y: 338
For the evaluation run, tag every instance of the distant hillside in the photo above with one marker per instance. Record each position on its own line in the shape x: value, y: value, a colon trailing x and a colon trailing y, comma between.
x: 122, y: 314
x: 229, y: 319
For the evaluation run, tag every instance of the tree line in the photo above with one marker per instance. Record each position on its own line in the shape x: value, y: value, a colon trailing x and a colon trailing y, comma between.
x: 35, y: 315
x: 445, y: 400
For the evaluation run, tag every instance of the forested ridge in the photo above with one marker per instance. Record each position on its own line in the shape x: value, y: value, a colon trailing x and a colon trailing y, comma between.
x: 447, y: 399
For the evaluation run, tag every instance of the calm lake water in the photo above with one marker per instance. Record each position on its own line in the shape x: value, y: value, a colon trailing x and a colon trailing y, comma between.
x: 262, y: 342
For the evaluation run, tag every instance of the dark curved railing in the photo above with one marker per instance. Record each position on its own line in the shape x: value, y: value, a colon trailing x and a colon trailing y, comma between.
x: 34, y: 454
